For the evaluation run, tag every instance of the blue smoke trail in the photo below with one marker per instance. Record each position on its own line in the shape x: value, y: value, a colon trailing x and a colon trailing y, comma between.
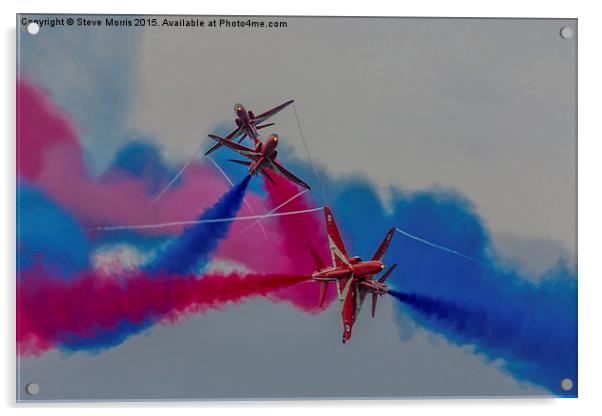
x: 144, y: 162
x: 187, y: 252
x: 530, y: 325
x: 462, y: 289
x: 532, y: 347
x: 105, y: 339
x: 456, y: 315
x: 191, y: 250
x: 48, y: 235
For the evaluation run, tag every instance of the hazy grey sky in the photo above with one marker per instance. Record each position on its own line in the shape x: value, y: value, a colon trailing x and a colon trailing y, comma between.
x: 481, y: 105
x: 260, y: 349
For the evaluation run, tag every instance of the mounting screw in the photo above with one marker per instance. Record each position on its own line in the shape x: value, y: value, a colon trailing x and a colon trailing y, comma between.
x: 32, y: 389
x: 566, y: 384
x: 33, y: 28
x: 566, y: 32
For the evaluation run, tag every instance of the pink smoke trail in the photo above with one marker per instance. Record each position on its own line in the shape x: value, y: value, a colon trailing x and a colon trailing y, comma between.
x: 298, y: 233
x: 49, y: 155
x: 52, y: 312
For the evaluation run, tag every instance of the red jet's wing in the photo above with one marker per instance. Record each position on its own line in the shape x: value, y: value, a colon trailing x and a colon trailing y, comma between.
x: 264, y: 116
x: 282, y: 171
x: 348, y: 310
x: 335, y: 243
x: 382, y: 249
x: 239, y: 148
x: 233, y: 133
x: 229, y: 137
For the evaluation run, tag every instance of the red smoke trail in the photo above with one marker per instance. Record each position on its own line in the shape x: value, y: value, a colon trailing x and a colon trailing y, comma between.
x: 50, y: 312
x: 298, y: 232
x: 40, y: 127
x: 49, y: 155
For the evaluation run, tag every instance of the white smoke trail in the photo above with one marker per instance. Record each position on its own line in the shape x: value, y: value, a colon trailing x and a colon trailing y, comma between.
x: 431, y: 244
x: 265, y: 236
x: 311, y: 162
x: 291, y: 199
x: 207, y: 221
x: 175, y: 178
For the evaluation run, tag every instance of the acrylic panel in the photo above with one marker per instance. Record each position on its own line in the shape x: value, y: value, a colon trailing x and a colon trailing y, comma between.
x: 229, y: 207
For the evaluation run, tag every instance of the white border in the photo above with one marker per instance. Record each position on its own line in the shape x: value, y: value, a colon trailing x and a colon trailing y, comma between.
x: 590, y: 202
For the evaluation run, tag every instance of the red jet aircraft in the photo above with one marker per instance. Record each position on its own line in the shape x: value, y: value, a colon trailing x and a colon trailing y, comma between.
x: 354, y: 278
x: 262, y: 158
x: 248, y: 123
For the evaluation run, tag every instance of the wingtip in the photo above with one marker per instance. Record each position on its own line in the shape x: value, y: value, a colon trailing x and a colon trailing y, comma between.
x: 213, y: 148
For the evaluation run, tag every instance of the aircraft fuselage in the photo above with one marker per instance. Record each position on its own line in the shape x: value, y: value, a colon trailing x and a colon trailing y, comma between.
x: 268, y: 151
x: 358, y: 274
x: 244, y: 119
x: 358, y: 270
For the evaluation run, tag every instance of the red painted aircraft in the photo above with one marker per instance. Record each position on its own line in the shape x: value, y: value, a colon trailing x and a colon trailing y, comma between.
x: 248, y: 123
x: 262, y: 158
x: 354, y: 278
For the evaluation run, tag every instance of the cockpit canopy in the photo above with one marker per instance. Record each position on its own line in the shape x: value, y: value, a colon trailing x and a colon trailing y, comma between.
x: 355, y: 259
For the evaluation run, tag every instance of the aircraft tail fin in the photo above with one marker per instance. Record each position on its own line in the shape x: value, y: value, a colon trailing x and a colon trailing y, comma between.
x: 240, y: 162
x: 323, y: 290
x: 244, y: 135
x: 382, y: 280
x: 317, y: 259
x: 387, y: 273
x: 268, y: 177
x: 374, y: 301
x: 323, y: 283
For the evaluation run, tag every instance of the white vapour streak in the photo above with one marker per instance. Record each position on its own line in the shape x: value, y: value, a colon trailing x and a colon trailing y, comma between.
x: 207, y: 221
x: 291, y: 199
x: 181, y: 171
x: 311, y: 162
x: 431, y: 244
x: 265, y: 236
